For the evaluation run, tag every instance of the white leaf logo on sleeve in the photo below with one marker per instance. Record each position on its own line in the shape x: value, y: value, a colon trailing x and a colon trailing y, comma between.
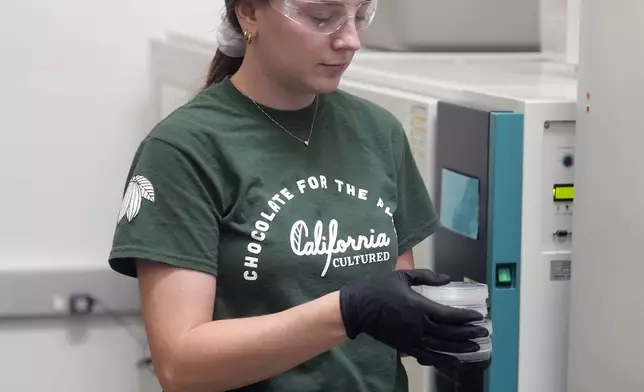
x: 138, y: 188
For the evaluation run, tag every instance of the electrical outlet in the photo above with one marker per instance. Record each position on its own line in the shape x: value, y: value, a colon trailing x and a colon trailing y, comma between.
x: 59, y: 304
x: 42, y: 292
x: 81, y: 304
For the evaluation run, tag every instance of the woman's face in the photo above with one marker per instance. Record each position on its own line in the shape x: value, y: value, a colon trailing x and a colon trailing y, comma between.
x: 308, y: 44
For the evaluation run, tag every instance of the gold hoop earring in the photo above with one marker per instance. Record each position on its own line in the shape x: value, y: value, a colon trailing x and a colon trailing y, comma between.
x: 248, y: 37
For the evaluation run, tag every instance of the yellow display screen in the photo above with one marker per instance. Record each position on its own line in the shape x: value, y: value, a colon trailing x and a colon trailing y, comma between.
x: 563, y: 192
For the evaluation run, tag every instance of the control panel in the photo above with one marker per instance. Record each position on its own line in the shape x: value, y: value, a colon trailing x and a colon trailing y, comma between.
x: 558, y: 194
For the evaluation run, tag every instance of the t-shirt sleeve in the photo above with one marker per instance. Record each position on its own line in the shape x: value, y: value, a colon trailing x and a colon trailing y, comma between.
x: 415, y: 217
x: 169, y: 213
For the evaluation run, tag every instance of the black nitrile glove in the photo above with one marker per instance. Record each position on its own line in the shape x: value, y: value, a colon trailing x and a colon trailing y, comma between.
x: 390, y: 311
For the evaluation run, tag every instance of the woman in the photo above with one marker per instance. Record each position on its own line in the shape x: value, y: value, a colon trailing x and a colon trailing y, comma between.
x: 286, y: 212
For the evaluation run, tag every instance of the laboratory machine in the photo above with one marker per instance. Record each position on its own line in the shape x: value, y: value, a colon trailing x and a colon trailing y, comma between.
x: 456, y: 26
x: 498, y: 155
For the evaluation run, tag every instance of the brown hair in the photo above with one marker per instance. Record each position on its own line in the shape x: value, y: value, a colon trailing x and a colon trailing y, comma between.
x: 222, y: 65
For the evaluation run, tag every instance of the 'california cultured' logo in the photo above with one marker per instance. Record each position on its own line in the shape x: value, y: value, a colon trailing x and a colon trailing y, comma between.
x: 330, y: 245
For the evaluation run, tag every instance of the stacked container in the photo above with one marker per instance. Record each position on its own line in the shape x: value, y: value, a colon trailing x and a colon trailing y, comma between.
x: 465, y: 295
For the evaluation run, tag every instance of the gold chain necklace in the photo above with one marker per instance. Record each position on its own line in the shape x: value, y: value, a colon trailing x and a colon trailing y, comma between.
x: 308, y: 140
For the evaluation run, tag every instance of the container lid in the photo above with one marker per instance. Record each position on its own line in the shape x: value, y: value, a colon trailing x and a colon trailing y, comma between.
x: 484, y: 353
x: 456, y: 293
x: 487, y: 324
x: 481, y: 308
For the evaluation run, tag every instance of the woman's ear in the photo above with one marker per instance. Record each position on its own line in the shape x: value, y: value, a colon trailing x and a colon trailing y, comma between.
x: 246, y: 11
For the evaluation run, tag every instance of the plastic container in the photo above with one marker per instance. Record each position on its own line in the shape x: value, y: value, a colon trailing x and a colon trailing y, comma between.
x: 457, y: 294
x: 483, y: 354
x: 465, y: 295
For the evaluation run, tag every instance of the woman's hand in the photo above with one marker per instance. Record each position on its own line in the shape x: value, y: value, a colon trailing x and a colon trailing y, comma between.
x: 390, y: 311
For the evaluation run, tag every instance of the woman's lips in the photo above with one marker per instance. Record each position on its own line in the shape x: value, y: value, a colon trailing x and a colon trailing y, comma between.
x: 336, y: 68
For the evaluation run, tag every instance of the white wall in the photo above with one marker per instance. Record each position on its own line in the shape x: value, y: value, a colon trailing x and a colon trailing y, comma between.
x: 74, y: 97
x: 573, y: 8
x: 553, y: 27
x: 607, y: 312
x: 74, y: 94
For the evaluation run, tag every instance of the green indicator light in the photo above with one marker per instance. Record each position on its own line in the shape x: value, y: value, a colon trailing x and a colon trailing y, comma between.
x: 563, y: 192
x: 505, y: 276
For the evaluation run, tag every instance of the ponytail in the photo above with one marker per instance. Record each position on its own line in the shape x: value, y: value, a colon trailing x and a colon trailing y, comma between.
x: 229, y: 38
x: 221, y: 67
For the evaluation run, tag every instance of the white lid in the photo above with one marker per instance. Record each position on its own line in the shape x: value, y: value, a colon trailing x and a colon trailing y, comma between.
x: 457, y: 293
x: 477, y: 308
x: 486, y: 323
x: 484, y: 353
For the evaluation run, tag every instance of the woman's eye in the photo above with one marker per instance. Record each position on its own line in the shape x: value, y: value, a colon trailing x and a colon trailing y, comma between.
x: 320, y: 18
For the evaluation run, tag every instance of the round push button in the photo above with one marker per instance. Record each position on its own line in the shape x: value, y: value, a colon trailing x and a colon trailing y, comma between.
x: 568, y: 161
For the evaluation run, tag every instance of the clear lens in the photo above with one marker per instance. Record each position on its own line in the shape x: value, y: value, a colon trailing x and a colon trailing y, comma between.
x: 326, y: 17
x: 365, y: 14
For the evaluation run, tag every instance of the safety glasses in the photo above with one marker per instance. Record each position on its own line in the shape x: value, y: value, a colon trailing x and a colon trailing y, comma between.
x: 326, y: 16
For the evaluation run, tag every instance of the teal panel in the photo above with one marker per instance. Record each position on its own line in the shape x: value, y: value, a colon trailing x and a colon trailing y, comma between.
x: 504, y: 247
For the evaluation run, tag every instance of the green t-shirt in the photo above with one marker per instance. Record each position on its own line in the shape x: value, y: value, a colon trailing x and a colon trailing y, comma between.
x: 219, y: 187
